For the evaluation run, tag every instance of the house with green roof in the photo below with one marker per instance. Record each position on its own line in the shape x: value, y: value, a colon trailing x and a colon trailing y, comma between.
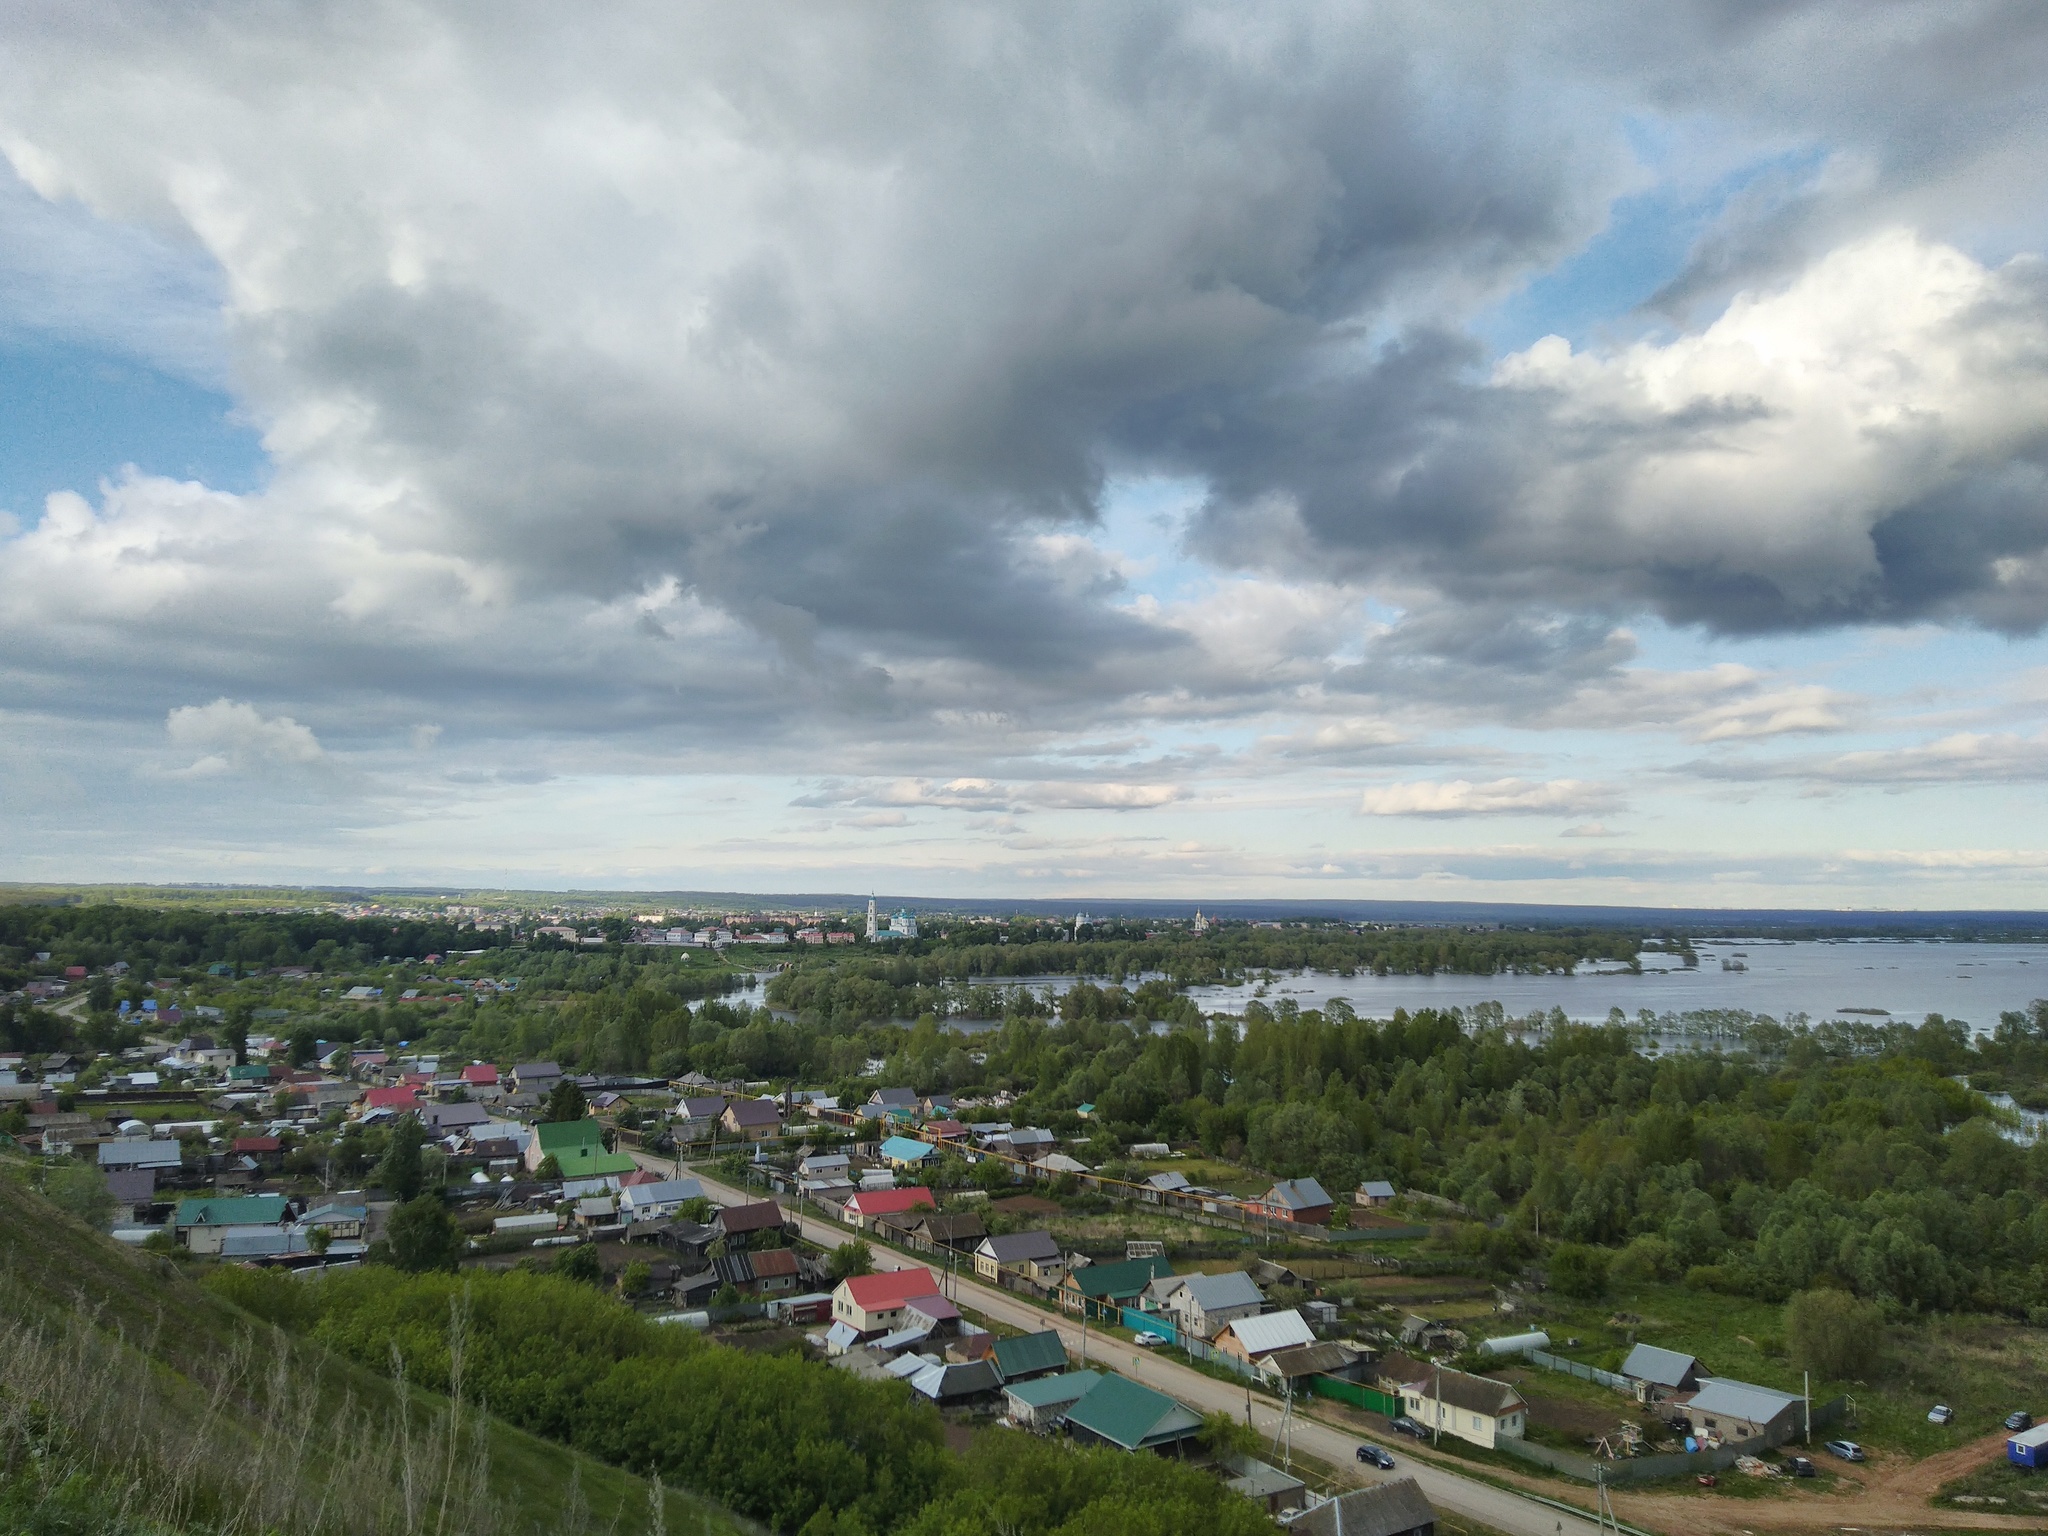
x: 204, y: 1221
x: 1102, y: 1291
x: 1117, y: 1411
x: 583, y: 1162
x: 560, y: 1139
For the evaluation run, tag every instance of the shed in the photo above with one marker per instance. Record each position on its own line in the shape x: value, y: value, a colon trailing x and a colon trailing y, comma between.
x: 1741, y: 1410
x: 1374, y: 1192
x: 952, y: 1383
x: 1031, y: 1354
x: 1042, y: 1402
x: 1264, y: 1484
x: 2029, y: 1448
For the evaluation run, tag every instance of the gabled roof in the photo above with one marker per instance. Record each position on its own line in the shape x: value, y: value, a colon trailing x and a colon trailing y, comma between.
x: 708, y: 1107
x: 392, y: 1098
x: 1386, y: 1509
x: 1127, y: 1277
x: 893, y: 1098
x: 1297, y: 1195
x: 480, y: 1075
x: 880, y: 1202
x: 1232, y: 1288
x: 1021, y: 1247
x: 255, y: 1144
x: 1739, y: 1400
x: 890, y: 1289
x: 528, y: 1070
x: 231, y: 1211
x: 750, y: 1112
x: 953, y: 1226
x: 558, y: 1136
x: 1275, y: 1330
x: 1134, y: 1417
x: 754, y: 1216
x: 1474, y: 1394
x: 1376, y: 1189
x: 661, y: 1192
x: 1310, y: 1359
x: 1053, y: 1391
x: 774, y: 1264
x: 1030, y: 1354
x: 1661, y: 1367
x: 941, y: 1382
x: 591, y: 1161
x: 1168, y: 1181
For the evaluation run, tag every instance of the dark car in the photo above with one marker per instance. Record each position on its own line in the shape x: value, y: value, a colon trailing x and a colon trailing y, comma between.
x: 1848, y: 1450
x: 1407, y: 1426
x: 1373, y: 1456
x: 2019, y: 1418
x: 1799, y: 1466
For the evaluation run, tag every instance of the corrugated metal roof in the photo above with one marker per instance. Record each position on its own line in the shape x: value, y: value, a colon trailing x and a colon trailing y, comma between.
x: 1275, y: 1330
x: 1030, y: 1354
x: 1739, y: 1400
x: 1052, y: 1391
x: 1660, y: 1367
x: 1232, y: 1288
x: 1134, y: 1417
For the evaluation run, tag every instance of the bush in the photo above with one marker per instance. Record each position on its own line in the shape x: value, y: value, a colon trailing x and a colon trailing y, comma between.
x: 1833, y: 1334
x: 1578, y: 1271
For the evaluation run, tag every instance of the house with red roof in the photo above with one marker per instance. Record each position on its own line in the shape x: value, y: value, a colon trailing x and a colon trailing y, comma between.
x: 862, y: 1208
x: 875, y: 1303
x: 480, y: 1075
x: 400, y: 1099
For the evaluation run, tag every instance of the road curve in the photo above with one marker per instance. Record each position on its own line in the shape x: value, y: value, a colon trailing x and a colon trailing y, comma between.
x: 1500, y: 1508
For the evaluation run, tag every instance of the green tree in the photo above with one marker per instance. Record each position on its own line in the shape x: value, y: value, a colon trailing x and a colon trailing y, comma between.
x: 81, y: 1189
x: 1578, y: 1271
x: 579, y: 1263
x: 852, y: 1258
x: 550, y: 1168
x: 634, y: 1277
x: 1832, y: 1334
x: 565, y: 1101
x: 235, y: 1028
x: 401, y: 1170
x: 991, y: 1174
x: 422, y: 1236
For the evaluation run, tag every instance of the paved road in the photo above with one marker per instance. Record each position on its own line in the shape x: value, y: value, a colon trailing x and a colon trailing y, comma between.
x: 1497, y: 1507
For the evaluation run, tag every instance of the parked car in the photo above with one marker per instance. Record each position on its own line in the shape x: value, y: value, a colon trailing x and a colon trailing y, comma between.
x: 1147, y: 1340
x: 2019, y: 1419
x: 1941, y: 1413
x: 1848, y: 1450
x: 1407, y: 1426
x: 1799, y: 1466
x: 1373, y: 1456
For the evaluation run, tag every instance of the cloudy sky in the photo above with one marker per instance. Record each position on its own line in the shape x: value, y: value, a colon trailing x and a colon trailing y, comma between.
x: 1593, y: 452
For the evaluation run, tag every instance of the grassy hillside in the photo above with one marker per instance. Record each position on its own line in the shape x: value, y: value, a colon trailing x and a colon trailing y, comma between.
x: 131, y: 1400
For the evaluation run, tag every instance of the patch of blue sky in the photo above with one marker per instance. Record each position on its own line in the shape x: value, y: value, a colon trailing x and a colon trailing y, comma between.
x: 72, y: 416
x: 1144, y: 522
x: 1599, y: 293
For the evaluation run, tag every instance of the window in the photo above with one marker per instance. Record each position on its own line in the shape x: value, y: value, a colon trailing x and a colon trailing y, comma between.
x: 1475, y: 1421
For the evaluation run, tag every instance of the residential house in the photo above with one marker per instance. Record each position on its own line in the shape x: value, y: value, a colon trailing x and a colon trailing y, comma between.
x: 825, y: 1165
x: 947, y: 1132
x: 943, y: 1382
x: 1660, y: 1373
x: 1726, y: 1409
x: 597, y: 1211
x: 659, y: 1200
x: 697, y: 1116
x: 886, y: 1099
x: 134, y: 1191
x: 875, y: 1304
x: 479, y: 1075
x: 399, y: 1100
x: 137, y: 1152
x: 1041, y: 1403
x: 536, y: 1076
x: 1301, y: 1201
x: 1373, y: 1194
x: 203, y: 1222
x: 1033, y: 1257
x: 906, y: 1154
x: 1393, y: 1508
x: 947, y: 1232
x: 1251, y: 1339
x: 554, y: 1138
x: 935, y: 1106
x: 1027, y: 1142
x: 1295, y: 1368
x: 1103, y: 1290
x: 1057, y: 1164
x: 1201, y: 1304
x: 265, y: 1152
x: 1476, y: 1409
x: 744, y: 1225
x: 342, y: 1219
x: 771, y: 1272
x: 864, y: 1206
x: 1030, y: 1354
x: 1117, y: 1411
x: 1163, y: 1188
x: 751, y: 1119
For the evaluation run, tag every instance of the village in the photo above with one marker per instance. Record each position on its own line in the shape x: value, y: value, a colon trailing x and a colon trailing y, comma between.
x: 923, y: 1238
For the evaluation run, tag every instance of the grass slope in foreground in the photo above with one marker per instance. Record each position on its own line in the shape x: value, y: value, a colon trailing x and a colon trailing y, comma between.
x: 132, y: 1401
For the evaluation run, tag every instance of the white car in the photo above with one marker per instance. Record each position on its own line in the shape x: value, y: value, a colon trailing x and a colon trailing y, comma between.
x: 1941, y: 1413
x: 1148, y: 1340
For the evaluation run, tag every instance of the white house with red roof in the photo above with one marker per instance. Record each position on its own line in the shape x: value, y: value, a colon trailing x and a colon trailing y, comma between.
x: 862, y: 1208
x: 876, y: 1303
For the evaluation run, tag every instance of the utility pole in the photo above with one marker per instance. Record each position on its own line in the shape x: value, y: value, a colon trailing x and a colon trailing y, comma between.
x: 1806, y: 1380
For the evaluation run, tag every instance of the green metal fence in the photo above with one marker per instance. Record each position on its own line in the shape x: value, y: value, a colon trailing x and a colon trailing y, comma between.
x: 1357, y: 1396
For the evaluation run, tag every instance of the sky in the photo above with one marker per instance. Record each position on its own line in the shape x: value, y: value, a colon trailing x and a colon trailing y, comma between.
x: 1584, y: 453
